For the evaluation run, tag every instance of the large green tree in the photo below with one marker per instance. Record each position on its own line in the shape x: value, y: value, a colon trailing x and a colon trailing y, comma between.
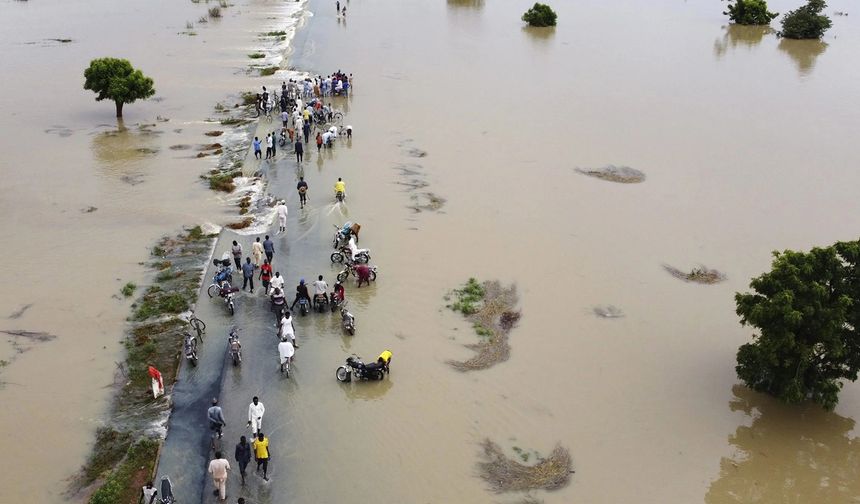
x: 115, y: 79
x: 807, y: 312
x: 749, y: 12
x: 806, y: 22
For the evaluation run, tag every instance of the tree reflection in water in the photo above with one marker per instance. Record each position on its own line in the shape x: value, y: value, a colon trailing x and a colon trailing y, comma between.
x: 474, y: 4
x: 803, y: 52
x: 740, y: 36
x: 789, y: 454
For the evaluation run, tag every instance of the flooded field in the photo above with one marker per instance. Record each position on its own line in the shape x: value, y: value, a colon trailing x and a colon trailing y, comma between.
x: 469, y: 131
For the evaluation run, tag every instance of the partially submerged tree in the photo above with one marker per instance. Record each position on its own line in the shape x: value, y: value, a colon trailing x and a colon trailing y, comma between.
x: 806, y: 22
x: 749, y: 12
x: 540, y: 15
x: 115, y: 79
x: 807, y: 311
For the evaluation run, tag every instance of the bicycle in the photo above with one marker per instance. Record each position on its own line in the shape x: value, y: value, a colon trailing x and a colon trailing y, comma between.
x: 197, y: 324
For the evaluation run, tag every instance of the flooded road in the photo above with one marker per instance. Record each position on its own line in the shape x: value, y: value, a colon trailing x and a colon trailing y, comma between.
x: 746, y: 142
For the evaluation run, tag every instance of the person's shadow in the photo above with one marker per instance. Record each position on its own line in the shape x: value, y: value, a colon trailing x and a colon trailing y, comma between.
x: 794, y: 454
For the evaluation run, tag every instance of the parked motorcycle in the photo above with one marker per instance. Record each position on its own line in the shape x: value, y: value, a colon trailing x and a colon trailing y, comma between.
x: 304, y: 306
x: 351, y: 253
x: 334, y: 302
x: 344, y: 233
x: 225, y: 291
x: 347, y: 320
x: 349, y: 269
x: 361, y: 371
x: 191, y: 349
x: 234, y: 346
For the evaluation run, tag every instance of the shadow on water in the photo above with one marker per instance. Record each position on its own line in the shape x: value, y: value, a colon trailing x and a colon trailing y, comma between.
x: 540, y: 34
x: 367, y: 390
x: 469, y: 4
x: 787, y: 454
x: 739, y: 36
x: 803, y: 52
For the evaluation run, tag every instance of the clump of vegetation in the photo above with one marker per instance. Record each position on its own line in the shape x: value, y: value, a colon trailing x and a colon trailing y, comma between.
x: 504, y: 474
x: 195, y: 233
x: 807, y: 312
x: 540, y: 15
x: 264, y: 72
x: 157, y: 302
x: 612, y: 173
x: 158, y: 251
x: 700, y: 274
x: 223, y: 181
x: 806, y: 22
x: 214, y: 133
x: 249, y: 98
x: 189, y: 25
x: 491, y: 310
x: 233, y: 121
x: 116, y: 80
x: 244, y: 223
x: 223, y: 4
x: 128, y: 289
x: 256, y: 55
x: 275, y: 34
x: 111, y: 446
x: 749, y: 12
x: 122, y: 484
x: 215, y: 12
x: 160, y: 265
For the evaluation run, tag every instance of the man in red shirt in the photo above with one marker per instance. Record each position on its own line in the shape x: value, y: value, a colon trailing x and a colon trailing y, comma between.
x: 266, y: 275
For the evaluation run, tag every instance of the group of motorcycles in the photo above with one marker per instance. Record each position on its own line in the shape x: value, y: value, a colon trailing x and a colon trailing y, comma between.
x: 234, y: 347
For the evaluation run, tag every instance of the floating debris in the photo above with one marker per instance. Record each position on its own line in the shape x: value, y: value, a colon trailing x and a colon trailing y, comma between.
x: 612, y: 173
x: 504, y: 474
x: 30, y: 335
x: 491, y: 309
x: 608, y: 311
x: 701, y: 274
x: 89, y: 209
x: 20, y: 311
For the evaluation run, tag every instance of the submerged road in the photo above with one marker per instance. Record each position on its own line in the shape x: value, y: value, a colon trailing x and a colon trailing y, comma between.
x: 302, y: 253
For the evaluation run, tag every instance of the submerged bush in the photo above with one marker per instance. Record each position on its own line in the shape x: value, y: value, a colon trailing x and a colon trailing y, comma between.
x: 749, y: 12
x: 806, y: 22
x: 540, y: 15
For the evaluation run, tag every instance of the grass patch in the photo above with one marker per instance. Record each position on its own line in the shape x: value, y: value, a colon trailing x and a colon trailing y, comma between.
x: 158, y: 251
x: 233, y: 121
x: 265, y: 72
x: 167, y: 275
x: 214, y: 133
x: 128, y: 289
x: 256, y: 55
x: 156, y: 302
x: 491, y: 310
x: 160, y: 265
x: 195, y: 233
x: 215, y: 12
x: 223, y: 181
x: 702, y: 274
x: 247, y: 221
x: 504, y: 474
x: 111, y: 446
x: 280, y: 33
x: 249, y: 98
x: 612, y: 173
x: 125, y: 481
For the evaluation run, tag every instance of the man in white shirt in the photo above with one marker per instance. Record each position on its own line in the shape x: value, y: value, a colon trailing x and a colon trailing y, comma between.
x: 321, y: 288
x: 277, y: 282
x: 255, y: 415
x: 281, y: 211
x: 218, y: 469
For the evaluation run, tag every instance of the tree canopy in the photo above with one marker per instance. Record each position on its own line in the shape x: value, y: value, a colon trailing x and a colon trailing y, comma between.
x: 749, y: 12
x: 806, y: 22
x: 540, y: 15
x: 115, y: 79
x: 807, y: 312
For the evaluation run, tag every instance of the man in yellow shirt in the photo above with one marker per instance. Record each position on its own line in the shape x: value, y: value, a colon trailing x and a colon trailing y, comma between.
x: 262, y: 453
x: 340, y: 187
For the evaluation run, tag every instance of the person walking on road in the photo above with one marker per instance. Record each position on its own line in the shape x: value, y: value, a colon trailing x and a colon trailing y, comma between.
x: 216, y: 417
x: 268, y: 146
x: 269, y: 248
x: 262, y: 454
x: 302, y: 187
x: 256, y: 410
x: 257, y: 252
x: 319, y: 142
x: 218, y: 469
x: 277, y: 281
x: 243, y: 456
x: 257, y: 153
x: 281, y: 211
x: 237, y: 254
x: 274, y: 144
x: 299, y: 150
x: 148, y: 494
x: 266, y: 276
x: 248, y: 274
x: 307, y: 131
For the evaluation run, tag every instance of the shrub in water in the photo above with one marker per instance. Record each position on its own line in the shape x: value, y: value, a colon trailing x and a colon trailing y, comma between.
x: 806, y: 22
x: 749, y: 12
x: 540, y: 15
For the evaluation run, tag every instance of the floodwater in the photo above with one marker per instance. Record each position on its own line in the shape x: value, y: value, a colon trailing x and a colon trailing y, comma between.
x: 747, y: 144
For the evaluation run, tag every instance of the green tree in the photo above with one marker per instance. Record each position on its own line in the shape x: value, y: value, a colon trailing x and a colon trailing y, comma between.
x: 115, y: 79
x: 806, y: 22
x: 540, y: 15
x: 749, y: 12
x: 807, y: 312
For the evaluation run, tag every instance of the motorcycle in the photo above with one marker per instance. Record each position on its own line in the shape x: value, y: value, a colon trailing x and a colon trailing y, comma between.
x: 235, y: 347
x: 339, y: 196
x: 351, y: 253
x: 285, y: 354
x: 334, y: 301
x: 349, y: 269
x: 191, y: 349
x: 304, y: 306
x: 343, y: 234
x: 166, y: 495
x: 320, y: 303
x: 355, y: 367
x: 347, y: 320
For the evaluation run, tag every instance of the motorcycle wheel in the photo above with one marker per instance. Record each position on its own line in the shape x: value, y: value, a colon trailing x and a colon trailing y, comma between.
x: 343, y: 375
x: 337, y: 257
x: 333, y: 307
x: 372, y: 276
x: 378, y: 375
x: 193, y: 360
x: 230, y: 306
x: 351, y: 330
x: 342, y: 276
x: 235, y: 360
x: 362, y: 258
x: 212, y: 290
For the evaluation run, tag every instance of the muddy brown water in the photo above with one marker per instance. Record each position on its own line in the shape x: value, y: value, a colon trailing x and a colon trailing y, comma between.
x: 746, y: 142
